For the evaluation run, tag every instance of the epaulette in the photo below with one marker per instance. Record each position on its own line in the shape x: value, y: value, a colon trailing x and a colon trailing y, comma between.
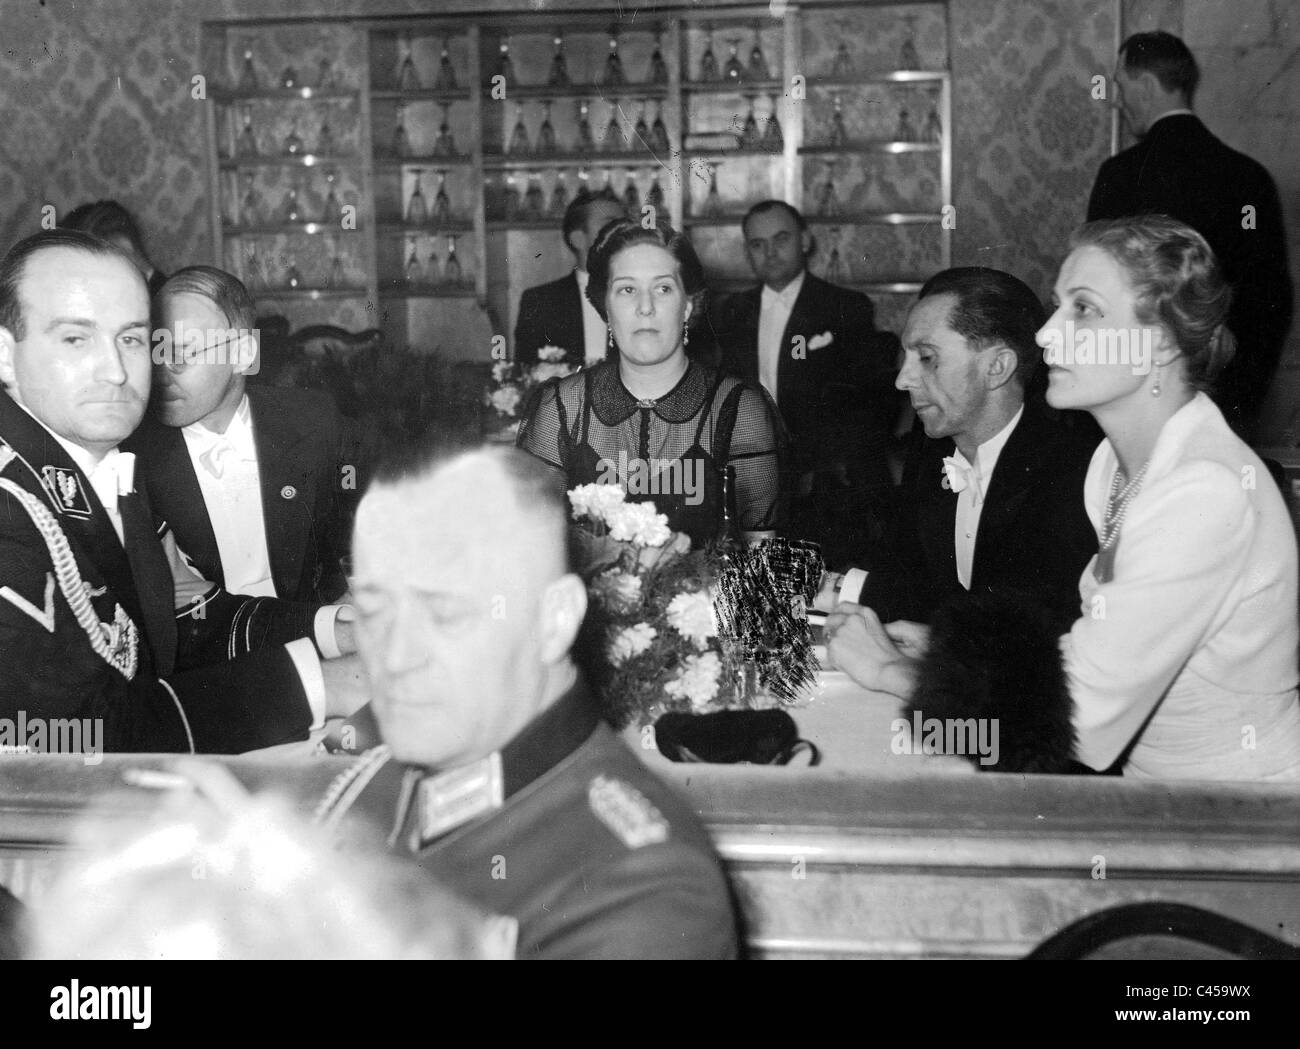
x: 630, y: 815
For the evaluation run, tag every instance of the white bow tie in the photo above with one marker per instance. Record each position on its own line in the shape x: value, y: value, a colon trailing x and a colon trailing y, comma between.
x: 219, y: 453
x: 958, y: 475
x: 112, y: 477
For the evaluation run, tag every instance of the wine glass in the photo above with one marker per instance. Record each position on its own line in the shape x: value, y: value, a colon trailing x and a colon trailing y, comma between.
x: 442, y: 202
x: 828, y: 202
x: 734, y: 72
x: 247, y: 145
x: 519, y: 136
x: 713, y: 202
x: 325, y: 145
x: 248, y: 75
x: 417, y: 208
x: 641, y: 133
x: 658, y: 67
x: 842, y: 68
x: 834, y: 264
x: 903, y: 130
x: 655, y: 194
x: 337, y: 277
x: 907, y: 56
x: 559, y: 196
x: 839, y: 135
x: 510, y: 204
x: 708, y: 60
x: 293, y: 141
x: 659, y: 131
x: 444, y: 145
x: 749, y: 137
x: 613, y: 66
x: 585, y: 143
x: 559, y: 75
x: 331, y: 211
x: 250, y: 208
x: 758, y: 69
x: 773, y: 138
x: 407, y: 79
x: 413, y: 271
x: 401, y: 143
x: 546, y: 134
x: 451, y: 270
x: 631, y: 195
x: 446, y: 78
x: 933, y: 125
x: 612, y: 142
x: 292, y: 278
x: 505, y: 68
x: 533, y: 198
x: 290, y: 208
x: 433, y: 266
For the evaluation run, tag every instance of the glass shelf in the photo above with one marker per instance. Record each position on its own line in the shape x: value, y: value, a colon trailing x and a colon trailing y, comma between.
x: 879, y: 146
x: 875, y: 218
x: 424, y: 160
x: 392, y: 94
x: 397, y: 229
x: 426, y: 291
x: 285, y: 94
x: 733, y: 87
x: 731, y: 154
x: 288, y: 160
x: 594, y: 91
x: 594, y: 159
x: 311, y: 294
x: 308, y: 228
x: 899, y: 76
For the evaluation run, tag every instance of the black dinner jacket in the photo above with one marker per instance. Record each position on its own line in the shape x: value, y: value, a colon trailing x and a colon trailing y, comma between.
x: 551, y: 315
x: 49, y: 665
x: 841, y: 393
x: 300, y: 451
x: 1034, y: 533
x: 1179, y: 168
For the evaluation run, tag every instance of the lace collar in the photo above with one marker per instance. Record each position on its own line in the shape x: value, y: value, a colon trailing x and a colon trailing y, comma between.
x: 613, y: 404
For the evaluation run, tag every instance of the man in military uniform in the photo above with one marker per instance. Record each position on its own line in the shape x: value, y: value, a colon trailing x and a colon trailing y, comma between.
x: 497, y: 774
x: 88, y: 628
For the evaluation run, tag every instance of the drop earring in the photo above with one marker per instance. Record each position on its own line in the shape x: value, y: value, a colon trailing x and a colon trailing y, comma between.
x: 1155, y: 387
x: 611, y: 338
x: 686, y: 334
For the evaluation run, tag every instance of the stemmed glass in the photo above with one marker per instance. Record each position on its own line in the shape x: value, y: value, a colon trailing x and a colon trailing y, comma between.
x: 441, y: 202
x: 505, y: 67
x: 290, y: 209
x: 585, y: 143
x: 658, y: 67
x: 293, y: 141
x: 407, y: 80
x: 289, y: 78
x: 546, y: 134
x: 612, y: 142
x: 325, y: 145
x: 337, y: 278
x: 331, y: 211
x: 433, y: 266
x: 519, y: 136
x: 631, y: 195
x: 533, y: 198
x: 749, y: 137
x: 559, y: 75
x: 613, y: 66
x: 250, y: 208
x: 444, y: 145
x: 828, y: 202
x: 401, y: 143
x: 907, y: 56
x: 713, y: 202
x: 734, y: 72
x: 417, y: 208
x: 933, y: 125
x: 510, y: 203
x: 757, y: 60
x: 451, y: 270
x: 834, y: 264
x: 292, y: 278
x: 659, y: 131
x: 413, y: 272
x: 247, y: 145
x: 904, y: 131
x: 446, y: 79
x: 839, y: 132
x: 655, y: 194
x: 641, y: 133
x: 559, y: 196
x: 773, y: 139
x: 248, y: 75
x: 842, y: 68
x: 708, y: 60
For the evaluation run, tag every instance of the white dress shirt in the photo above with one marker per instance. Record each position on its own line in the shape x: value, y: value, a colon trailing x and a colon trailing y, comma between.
x: 773, y: 316
x: 970, y: 500
x: 226, y: 466
x: 1191, y: 646
x: 595, y: 333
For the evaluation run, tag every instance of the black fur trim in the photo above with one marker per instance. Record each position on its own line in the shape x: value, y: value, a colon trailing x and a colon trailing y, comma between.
x: 995, y: 655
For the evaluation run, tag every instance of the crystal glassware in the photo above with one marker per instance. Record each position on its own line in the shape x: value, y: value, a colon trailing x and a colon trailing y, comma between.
x: 451, y: 269
x: 289, y: 78
x: 585, y: 143
x: 773, y: 138
x: 749, y: 136
x: 758, y: 69
x: 842, y: 68
x: 417, y: 208
x: 433, y: 267
x: 248, y: 74
x: 290, y: 207
x: 559, y: 197
x: 734, y: 71
x: 247, y: 144
x: 828, y: 201
x: 331, y: 210
x: 612, y: 142
x: 641, y: 133
x: 401, y: 143
x: 534, y: 201
x: 658, y: 67
x: 631, y: 195
x: 839, y: 135
x: 337, y: 278
x: 708, y: 60
x: 407, y: 79
x: 933, y: 125
x: 444, y: 145
x: 441, y: 202
x: 546, y: 133
x: 904, y: 131
x: 293, y: 141
x: 613, y: 76
x: 510, y: 202
x: 713, y: 202
x: 834, y: 264
x: 519, y: 136
x: 659, y: 131
x: 505, y: 68
x: 446, y: 78
x: 655, y: 194
x: 413, y: 271
x: 250, y: 207
x: 907, y: 56
x: 325, y: 144
x: 559, y: 75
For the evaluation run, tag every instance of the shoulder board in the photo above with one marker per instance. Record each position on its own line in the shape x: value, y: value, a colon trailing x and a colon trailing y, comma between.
x: 629, y: 814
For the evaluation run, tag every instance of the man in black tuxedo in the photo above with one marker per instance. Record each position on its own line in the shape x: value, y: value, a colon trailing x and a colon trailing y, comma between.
x: 815, y: 348
x: 253, y: 482
x: 558, y: 313
x: 88, y: 630
x: 992, y: 498
x: 1178, y: 168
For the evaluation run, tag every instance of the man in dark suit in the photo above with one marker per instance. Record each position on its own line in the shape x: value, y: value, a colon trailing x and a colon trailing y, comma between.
x: 815, y: 348
x: 88, y: 631
x: 558, y: 313
x: 992, y: 498
x: 498, y: 775
x: 253, y: 481
x: 1178, y: 168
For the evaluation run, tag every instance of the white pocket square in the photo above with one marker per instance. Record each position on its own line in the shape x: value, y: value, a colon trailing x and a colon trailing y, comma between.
x: 818, y: 341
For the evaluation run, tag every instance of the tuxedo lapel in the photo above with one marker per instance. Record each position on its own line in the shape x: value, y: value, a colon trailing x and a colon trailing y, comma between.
x: 571, y: 318
x: 153, y: 579
x: 744, y: 343
x: 286, y: 488
x: 174, y: 489
x: 937, y: 516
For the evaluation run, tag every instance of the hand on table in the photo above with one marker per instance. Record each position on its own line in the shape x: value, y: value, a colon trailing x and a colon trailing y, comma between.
x: 860, y: 645
x: 827, y: 595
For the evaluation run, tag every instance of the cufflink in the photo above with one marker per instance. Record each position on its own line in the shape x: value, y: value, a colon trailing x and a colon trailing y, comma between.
x: 288, y: 492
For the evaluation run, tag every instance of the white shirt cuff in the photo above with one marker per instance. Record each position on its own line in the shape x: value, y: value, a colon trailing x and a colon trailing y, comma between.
x: 307, y: 664
x: 322, y: 628
x: 851, y: 589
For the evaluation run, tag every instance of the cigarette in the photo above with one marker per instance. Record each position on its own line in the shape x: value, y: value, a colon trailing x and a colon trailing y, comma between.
x: 155, y: 779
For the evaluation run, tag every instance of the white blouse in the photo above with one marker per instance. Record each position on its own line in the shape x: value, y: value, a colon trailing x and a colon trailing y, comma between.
x: 1190, y: 651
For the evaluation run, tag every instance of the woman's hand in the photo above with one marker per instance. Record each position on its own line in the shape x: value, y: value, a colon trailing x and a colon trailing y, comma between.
x: 859, y: 644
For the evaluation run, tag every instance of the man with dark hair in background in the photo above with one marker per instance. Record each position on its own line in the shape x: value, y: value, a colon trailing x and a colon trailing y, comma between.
x: 993, y: 497
x: 1178, y: 168
x: 558, y: 313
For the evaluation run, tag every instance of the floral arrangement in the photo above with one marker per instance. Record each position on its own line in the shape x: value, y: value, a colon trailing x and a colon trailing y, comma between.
x: 652, y: 640
x: 512, y: 383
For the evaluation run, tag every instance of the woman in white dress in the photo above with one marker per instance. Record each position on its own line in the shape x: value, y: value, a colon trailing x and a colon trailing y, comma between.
x: 1183, y: 663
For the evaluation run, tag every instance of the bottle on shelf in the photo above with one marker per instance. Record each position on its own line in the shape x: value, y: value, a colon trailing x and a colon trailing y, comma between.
x: 250, y: 207
x: 451, y: 270
x: 749, y: 137
x: 546, y: 133
x: 773, y: 138
x: 442, y: 202
x: 613, y: 76
x: 631, y: 196
x: 519, y: 136
x: 247, y: 144
x: 407, y: 78
x: 248, y: 80
x: 658, y: 67
x: 659, y: 131
x: 253, y: 275
x: 559, y: 75
x: 337, y: 277
x: 401, y: 143
x: 417, y: 208
x: 758, y: 69
x: 828, y: 201
x: 933, y: 125
x: 586, y: 143
x: 446, y: 78
x: 713, y: 202
x: 708, y: 60
x: 835, y: 270
x: 839, y: 134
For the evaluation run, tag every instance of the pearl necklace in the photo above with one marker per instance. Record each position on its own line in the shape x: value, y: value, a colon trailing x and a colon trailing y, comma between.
x: 1117, y: 504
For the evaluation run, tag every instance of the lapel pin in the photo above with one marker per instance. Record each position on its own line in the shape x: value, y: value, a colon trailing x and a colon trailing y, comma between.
x: 288, y: 491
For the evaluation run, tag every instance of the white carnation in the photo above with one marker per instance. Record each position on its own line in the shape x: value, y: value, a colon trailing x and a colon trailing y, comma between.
x: 596, y: 501
x: 551, y: 353
x: 691, y: 615
x: 620, y: 590
x: 698, y: 680
x: 639, y: 524
x: 506, y: 400
x: 544, y: 371
x: 631, y: 641
x: 502, y: 370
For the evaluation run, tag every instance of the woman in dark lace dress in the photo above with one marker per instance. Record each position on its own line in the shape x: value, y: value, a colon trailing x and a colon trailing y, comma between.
x: 651, y: 420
